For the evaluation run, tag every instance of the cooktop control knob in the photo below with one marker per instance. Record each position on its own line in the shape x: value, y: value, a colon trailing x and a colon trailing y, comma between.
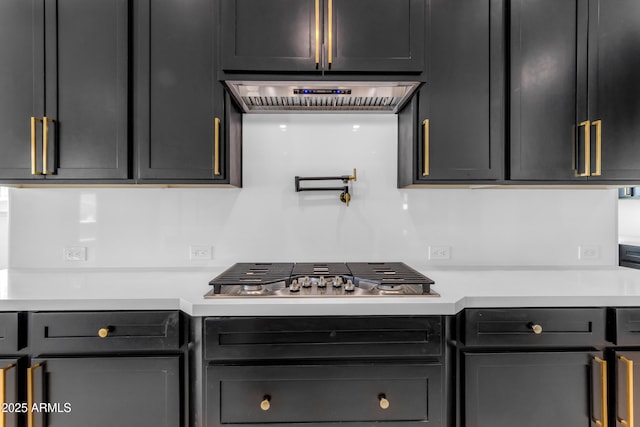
x: 322, y: 282
x: 306, y: 282
x: 349, y: 286
x: 337, y: 282
x: 294, y: 286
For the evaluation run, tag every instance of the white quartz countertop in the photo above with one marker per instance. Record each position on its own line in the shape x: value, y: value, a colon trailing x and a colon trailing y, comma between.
x: 459, y: 288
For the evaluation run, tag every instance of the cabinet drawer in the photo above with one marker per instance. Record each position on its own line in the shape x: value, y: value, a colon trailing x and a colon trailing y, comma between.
x: 93, y: 332
x: 252, y: 395
x: 9, y: 332
x: 625, y: 326
x: 534, y: 327
x: 322, y: 337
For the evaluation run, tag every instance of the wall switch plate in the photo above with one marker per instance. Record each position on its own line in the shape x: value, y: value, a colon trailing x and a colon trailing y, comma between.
x: 588, y: 252
x: 200, y: 253
x: 439, y: 252
x: 75, y: 253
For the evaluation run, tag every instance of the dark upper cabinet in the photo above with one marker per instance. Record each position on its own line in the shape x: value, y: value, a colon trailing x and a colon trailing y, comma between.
x: 64, y: 83
x: 574, y: 113
x: 453, y: 129
x: 186, y: 126
x: 309, y: 35
x: 614, y: 104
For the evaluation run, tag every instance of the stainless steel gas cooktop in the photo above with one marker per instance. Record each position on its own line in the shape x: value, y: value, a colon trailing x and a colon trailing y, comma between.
x: 352, y: 279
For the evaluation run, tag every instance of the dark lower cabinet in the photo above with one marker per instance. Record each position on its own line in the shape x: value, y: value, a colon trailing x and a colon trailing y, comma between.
x: 389, y: 394
x: 106, y: 391
x: 187, y: 128
x: 627, y: 387
x: 11, y: 381
x: 453, y: 129
x: 531, y: 389
x: 323, y: 371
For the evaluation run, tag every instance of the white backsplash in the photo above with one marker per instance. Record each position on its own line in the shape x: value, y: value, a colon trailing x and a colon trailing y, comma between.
x: 268, y: 221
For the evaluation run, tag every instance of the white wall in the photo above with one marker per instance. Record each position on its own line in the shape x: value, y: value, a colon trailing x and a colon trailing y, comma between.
x: 267, y: 220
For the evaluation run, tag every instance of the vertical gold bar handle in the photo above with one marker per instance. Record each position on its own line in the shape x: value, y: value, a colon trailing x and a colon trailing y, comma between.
x: 598, y: 125
x: 587, y: 147
x: 425, y: 169
x: 216, y: 146
x: 629, y: 421
x: 30, y: 393
x: 317, y: 34
x: 34, y: 168
x: 603, y: 396
x: 330, y: 37
x: 3, y: 393
x: 45, y: 145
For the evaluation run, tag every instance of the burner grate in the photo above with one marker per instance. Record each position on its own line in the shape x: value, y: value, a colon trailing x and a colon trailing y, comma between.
x: 386, y: 274
x: 252, y: 274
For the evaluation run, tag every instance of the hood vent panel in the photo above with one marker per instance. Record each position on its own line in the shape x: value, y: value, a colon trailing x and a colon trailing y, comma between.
x: 278, y: 97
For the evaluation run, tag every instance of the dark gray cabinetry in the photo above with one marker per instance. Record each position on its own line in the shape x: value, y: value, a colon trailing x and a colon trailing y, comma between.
x: 64, y: 84
x: 572, y: 75
x: 186, y: 126
x: 320, y: 371
x: 11, y: 368
x: 625, y: 369
x: 453, y: 129
x: 532, y: 367
x: 107, y: 368
x: 309, y: 35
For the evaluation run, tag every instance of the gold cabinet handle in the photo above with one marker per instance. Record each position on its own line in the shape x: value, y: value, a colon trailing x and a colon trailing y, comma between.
x: 587, y: 148
x: 317, y: 34
x: 104, y: 332
x: 330, y: 36
x: 30, y: 393
x: 265, y: 405
x: 45, y: 145
x: 216, y: 146
x: 3, y: 393
x: 34, y: 169
x: 598, y: 125
x: 603, y: 397
x: 629, y: 421
x: 383, y: 401
x: 425, y: 126
x: 537, y: 329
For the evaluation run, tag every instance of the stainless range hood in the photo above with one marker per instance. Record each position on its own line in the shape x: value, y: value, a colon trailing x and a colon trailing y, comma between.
x: 323, y: 96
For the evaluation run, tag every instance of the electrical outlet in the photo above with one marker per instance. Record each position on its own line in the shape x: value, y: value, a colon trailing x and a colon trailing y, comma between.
x: 439, y: 252
x: 200, y: 253
x: 75, y: 253
x: 588, y: 252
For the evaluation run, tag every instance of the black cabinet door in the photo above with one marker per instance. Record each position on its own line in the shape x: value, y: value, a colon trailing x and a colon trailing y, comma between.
x: 375, y: 35
x: 454, y: 129
x: 21, y: 77
x: 534, y: 389
x: 86, y: 88
x: 614, y: 104
x: 271, y: 35
x: 182, y: 129
x: 548, y: 89
x: 10, y: 380
x: 103, y: 392
x: 309, y: 35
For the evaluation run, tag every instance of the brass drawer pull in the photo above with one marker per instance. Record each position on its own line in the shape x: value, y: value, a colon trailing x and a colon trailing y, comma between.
x: 3, y: 392
x: 383, y: 401
x: 629, y: 421
x: 265, y: 405
x: 104, y: 332
x: 31, y: 393
x: 537, y: 329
